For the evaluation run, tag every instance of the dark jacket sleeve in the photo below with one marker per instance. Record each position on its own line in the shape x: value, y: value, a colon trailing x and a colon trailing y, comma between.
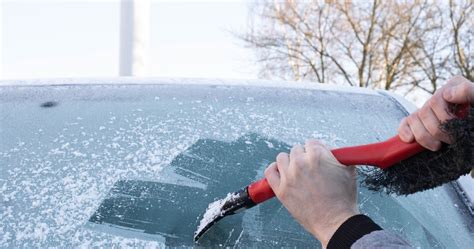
x: 360, y: 231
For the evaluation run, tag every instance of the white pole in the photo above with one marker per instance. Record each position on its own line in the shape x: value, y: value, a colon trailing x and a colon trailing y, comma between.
x: 135, y: 18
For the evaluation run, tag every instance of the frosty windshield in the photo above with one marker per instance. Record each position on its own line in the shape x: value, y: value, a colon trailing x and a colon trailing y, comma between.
x: 135, y: 165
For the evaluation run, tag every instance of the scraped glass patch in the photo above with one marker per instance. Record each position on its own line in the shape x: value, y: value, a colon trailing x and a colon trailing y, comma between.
x: 150, y: 207
x: 173, y: 211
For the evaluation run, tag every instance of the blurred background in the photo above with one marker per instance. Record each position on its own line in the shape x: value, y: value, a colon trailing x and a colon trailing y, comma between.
x: 74, y: 38
x: 409, y: 47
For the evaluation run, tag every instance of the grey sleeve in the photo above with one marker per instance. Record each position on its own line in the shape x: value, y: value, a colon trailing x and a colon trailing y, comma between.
x: 380, y: 239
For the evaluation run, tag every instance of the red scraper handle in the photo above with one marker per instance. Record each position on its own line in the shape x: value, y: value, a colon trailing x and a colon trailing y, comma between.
x: 383, y: 155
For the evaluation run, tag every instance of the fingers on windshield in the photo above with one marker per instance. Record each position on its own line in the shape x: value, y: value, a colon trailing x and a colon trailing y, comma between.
x: 459, y: 90
x: 404, y: 131
x: 422, y: 136
x: 283, y: 163
x: 431, y: 116
x: 273, y: 176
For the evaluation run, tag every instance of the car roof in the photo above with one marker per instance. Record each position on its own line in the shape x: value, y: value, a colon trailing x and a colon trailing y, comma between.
x: 407, y: 106
x: 184, y: 81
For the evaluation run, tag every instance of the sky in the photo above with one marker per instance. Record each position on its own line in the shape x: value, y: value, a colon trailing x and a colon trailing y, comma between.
x: 66, y: 38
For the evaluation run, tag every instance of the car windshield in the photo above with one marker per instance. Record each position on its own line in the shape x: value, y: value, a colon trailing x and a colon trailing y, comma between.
x: 137, y: 165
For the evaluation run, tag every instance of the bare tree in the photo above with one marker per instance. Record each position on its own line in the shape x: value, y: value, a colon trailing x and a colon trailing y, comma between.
x: 430, y: 55
x: 413, y: 61
x: 358, y: 37
x: 393, y: 45
x: 461, y: 17
x: 292, y: 39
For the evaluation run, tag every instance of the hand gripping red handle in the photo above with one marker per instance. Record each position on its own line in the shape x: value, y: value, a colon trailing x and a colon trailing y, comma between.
x: 383, y: 155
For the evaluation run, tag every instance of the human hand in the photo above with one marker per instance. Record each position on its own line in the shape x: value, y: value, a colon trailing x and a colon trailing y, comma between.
x: 316, y: 189
x: 424, y: 124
